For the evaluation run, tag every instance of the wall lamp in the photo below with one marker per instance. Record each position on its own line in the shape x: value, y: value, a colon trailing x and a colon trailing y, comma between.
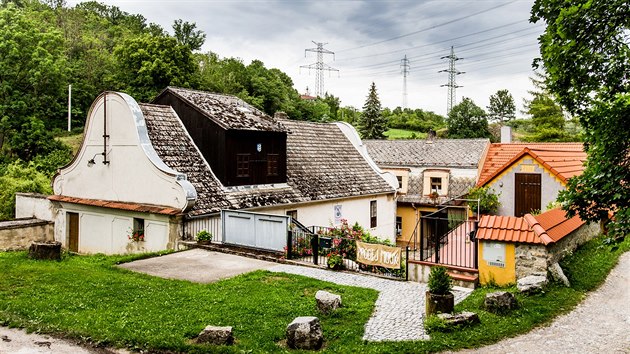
x: 91, y: 161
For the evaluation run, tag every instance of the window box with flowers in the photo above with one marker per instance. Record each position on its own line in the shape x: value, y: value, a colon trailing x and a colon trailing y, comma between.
x: 136, y: 235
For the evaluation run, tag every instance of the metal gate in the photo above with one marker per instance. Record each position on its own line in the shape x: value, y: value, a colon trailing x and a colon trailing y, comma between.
x: 263, y: 231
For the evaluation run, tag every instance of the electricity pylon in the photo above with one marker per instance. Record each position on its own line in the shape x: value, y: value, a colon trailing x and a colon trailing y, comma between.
x: 452, y: 73
x: 319, y: 66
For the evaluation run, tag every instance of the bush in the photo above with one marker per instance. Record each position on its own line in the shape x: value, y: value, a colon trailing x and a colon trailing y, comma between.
x: 440, y: 283
x: 204, y: 235
x: 488, y: 201
x: 18, y: 177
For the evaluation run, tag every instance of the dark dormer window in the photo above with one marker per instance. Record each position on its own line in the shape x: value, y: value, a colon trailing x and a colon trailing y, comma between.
x: 272, y: 164
x: 242, y: 165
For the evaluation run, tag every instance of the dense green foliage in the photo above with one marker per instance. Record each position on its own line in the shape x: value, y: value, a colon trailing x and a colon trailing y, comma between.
x: 488, y: 200
x: 372, y: 124
x: 466, y: 120
x: 413, y: 119
x: 440, y: 283
x: 586, y: 54
x: 89, y: 298
x: 502, y: 108
x: 17, y: 177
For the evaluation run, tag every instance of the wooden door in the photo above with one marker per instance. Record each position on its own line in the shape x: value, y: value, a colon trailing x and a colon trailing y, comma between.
x: 526, y: 193
x: 73, y: 232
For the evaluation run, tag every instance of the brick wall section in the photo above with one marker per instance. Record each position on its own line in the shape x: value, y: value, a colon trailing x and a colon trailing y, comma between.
x: 18, y: 234
x: 532, y: 258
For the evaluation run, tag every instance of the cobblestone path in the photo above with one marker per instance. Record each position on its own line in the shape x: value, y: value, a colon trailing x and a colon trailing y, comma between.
x: 399, y: 310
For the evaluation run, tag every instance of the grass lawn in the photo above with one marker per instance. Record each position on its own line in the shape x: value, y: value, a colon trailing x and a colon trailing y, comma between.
x: 87, y: 297
x: 393, y: 134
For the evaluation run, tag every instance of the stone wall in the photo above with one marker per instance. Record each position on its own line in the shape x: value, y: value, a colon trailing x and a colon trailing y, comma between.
x: 568, y: 244
x: 18, y: 234
x: 530, y: 259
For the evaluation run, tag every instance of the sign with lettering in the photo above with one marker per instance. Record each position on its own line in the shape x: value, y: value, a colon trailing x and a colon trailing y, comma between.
x: 378, y: 255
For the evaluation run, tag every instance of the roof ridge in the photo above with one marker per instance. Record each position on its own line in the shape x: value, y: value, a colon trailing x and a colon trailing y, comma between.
x: 538, y: 229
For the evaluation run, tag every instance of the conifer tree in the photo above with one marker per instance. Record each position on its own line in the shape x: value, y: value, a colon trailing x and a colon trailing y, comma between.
x: 372, y: 124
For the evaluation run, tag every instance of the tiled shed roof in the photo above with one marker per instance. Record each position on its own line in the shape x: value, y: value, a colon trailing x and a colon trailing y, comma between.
x: 548, y: 227
x: 321, y: 164
x: 564, y: 160
x: 143, y: 208
x: 227, y: 111
x: 427, y: 153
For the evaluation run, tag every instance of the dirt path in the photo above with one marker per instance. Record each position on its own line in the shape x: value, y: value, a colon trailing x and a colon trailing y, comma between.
x: 17, y: 341
x: 600, y: 324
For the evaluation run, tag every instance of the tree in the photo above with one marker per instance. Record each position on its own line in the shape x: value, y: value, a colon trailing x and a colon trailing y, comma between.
x: 467, y: 120
x: 372, y: 124
x: 147, y: 64
x: 585, y: 52
x: 186, y: 35
x: 502, y: 108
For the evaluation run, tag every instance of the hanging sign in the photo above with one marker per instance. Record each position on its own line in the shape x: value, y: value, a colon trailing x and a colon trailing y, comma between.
x: 378, y: 255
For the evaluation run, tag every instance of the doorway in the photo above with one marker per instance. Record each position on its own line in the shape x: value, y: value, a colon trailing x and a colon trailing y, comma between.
x: 73, y: 232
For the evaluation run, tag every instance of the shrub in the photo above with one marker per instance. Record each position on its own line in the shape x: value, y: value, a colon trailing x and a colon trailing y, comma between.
x: 440, y: 283
x: 335, y: 261
x: 435, y: 324
x: 488, y: 200
x: 20, y: 178
x: 204, y: 235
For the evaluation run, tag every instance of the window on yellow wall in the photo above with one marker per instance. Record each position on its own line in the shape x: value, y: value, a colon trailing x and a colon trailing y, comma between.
x: 399, y: 226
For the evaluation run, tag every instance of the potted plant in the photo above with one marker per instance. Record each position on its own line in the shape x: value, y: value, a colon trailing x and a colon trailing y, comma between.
x: 204, y: 237
x: 434, y: 196
x: 439, y: 298
x: 335, y: 261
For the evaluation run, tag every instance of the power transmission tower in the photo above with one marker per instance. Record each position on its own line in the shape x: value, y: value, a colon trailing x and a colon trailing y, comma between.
x: 404, y: 65
x: 452, y: 72
x: 319, y: 66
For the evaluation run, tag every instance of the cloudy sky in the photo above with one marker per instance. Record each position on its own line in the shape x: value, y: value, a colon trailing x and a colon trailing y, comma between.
x: 369, y: 39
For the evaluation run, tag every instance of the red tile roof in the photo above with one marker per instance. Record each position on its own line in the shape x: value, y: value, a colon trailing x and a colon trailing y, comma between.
x: 548, y: 227
x: 143, y: 208
x: 564, y: 160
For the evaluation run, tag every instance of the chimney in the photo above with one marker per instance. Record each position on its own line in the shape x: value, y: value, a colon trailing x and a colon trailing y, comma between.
x: 506, y: 134
x: 431, y: 135
x: 280, y: 115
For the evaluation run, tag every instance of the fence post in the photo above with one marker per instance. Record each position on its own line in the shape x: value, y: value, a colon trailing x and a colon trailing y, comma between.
x: 289, y: 244
x: 315, y: 247
x: 476, y: 245
x: 437, y: 241
x: 407, y: 264
x: 421, y: 239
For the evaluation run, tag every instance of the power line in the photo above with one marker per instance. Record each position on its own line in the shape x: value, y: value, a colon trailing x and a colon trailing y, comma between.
x: 319, y: 66
x: 430, y: 27
x: 452, y: 73
x: 404, y: 64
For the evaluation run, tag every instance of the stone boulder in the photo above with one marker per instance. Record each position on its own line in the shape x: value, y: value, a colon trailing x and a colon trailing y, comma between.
x: 305, y: 333
x: 216, y: 335
x: 499, y: 302
x: 45, y: 250
x: 327, y: 302
x: 557, y: 274
x: 461, y: 319
x: 531, y: 284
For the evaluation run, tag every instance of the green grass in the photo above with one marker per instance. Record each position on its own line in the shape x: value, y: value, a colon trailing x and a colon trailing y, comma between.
x: 393, y: 134
x: 74, y: 141
x: 87, y: 297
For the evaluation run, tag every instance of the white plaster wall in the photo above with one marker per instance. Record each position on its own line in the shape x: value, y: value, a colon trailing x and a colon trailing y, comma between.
x: 132, y: 174
x: 352, y: 209
x: 504, y: 184
x: 30, y: 205
x: 103, y: 230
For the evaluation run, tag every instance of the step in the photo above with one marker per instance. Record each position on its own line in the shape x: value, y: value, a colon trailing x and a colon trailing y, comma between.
x: 464, y: 280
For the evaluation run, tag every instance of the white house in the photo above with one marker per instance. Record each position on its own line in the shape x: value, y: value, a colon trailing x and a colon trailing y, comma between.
x: 166, y: 170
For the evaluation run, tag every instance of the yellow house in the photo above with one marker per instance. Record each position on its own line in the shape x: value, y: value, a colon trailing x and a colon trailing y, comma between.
x: 430, y: 173
x: 511, y: 247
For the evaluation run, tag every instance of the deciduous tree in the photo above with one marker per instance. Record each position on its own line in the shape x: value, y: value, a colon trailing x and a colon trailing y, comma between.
x: 467, y: 120
x: 585, y: 52
x: 502, y: 108
x: 186, y: 34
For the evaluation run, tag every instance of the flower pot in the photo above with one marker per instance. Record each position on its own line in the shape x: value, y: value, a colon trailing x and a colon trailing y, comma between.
x: 439, y: 303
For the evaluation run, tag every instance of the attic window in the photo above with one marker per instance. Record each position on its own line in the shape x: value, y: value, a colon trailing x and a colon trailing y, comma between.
x: 272, y: 164
x: 399, y: 178
x: 436, y: 184
x: 242, y: 165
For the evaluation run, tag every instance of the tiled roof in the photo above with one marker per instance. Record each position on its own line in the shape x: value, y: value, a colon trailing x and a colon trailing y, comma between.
x: 548, y: 227
x: 321, y: 164
x: 457, y: 187
x: 427, y: 153
x: 564, y: 160
x: 143, y: 208
x: 229, y: 112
